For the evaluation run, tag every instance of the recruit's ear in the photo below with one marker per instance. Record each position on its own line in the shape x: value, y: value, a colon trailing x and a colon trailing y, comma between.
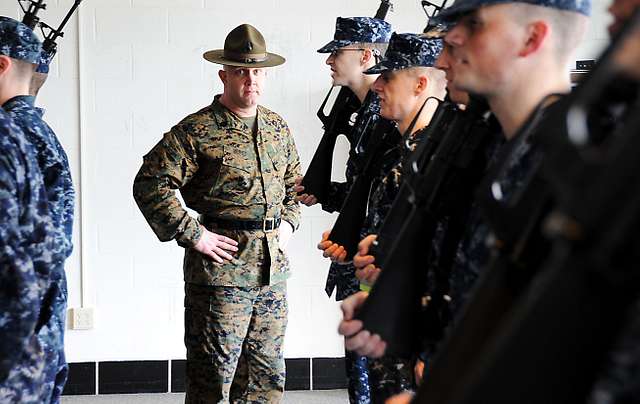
x: 535, y: 34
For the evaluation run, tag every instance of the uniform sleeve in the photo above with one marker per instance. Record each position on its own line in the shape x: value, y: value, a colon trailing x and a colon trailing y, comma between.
x: 291, y: 209
x: 168, y: 166
x: 19, y: 290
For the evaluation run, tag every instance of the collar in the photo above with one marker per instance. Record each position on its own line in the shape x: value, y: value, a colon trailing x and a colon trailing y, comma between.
x: 19, y: 99
x: 226, y: 119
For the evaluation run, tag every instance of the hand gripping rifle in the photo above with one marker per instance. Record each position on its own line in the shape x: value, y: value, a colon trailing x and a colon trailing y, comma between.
x: 537, y: 334
x: 433, y: 184
x: 31, y: 18
x: 317, y: 179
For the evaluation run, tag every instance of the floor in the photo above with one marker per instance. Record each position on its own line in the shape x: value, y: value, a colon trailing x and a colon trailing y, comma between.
x: 290, y: 397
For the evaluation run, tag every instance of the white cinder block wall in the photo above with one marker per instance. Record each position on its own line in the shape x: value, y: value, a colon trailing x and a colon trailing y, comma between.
x: 130, y: 69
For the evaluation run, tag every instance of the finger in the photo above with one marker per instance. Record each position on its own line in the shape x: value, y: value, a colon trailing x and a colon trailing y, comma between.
x: 222, y: 253
x: 323, y: 245
x: 298, y: 180
x: 227, y: 247
x: 325, y: 234
x: 370, y: 345
x: 335, y: 255
x: 358, y: 341
x: 227, y: 240
x: 365, y: 244
x: 342, y: 257
x: 314, y: 200
x: 379, y: 351
x: 213, y: 255
x: 329, y: 251
x: 350, y: 304
x: 349, y: 328
x: 360, y: 261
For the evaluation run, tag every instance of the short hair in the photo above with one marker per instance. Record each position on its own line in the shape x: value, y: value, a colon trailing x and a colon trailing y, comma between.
x: 23, y: 69
x: 568, y: 27
x: 379, y: 47
x: 437, y: 81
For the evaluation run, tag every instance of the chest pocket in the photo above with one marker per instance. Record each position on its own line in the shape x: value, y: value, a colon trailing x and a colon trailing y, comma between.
x: 278, y: 156
x: 239, y: 178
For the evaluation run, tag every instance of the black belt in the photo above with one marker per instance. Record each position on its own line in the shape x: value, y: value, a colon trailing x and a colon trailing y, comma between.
x: 268, y: 224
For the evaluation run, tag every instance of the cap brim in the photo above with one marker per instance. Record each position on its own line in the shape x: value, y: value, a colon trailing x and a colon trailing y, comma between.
x: 451, y: 14
x: 334, y: 45
x: 217, y: 56
x: 380, y: 68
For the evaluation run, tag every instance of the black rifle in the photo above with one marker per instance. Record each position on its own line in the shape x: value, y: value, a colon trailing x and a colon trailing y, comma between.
x: 518, y: 337
x: 49, y: 45
x: 384, y: 139
x: 431, y: 9
x: 433, y: 186
x: 31, y: 18
x: 317, y: 179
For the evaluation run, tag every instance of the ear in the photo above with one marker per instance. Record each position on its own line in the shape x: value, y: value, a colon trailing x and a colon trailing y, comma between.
x: 367, y: 56
x: 422, y: 84
x: 223, y: 76
x: 535, y: 35
x: 5, y: 64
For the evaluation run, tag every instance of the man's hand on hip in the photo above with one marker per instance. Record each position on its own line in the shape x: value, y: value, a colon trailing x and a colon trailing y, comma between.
x: 216, y: 246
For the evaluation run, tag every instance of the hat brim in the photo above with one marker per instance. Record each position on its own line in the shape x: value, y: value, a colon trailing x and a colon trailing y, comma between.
x: 217, y: 56
x: 382, y: 67
x: 450, y: 14
x: 334, y: 45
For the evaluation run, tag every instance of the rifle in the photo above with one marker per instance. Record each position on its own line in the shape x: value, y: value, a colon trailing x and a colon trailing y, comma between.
x: 432, y: 187
x: 317, y: 179
x: 516, y: 336
x: 431, y: 9
x: 31, y: 18
x: 49, y: 45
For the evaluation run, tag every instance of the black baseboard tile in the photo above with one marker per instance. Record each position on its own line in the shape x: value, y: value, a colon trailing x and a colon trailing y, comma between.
x: 329, y: 374
x: 81, y: 379
x: 298, y: 374
x: 133, y: 377
x: 178, y: 369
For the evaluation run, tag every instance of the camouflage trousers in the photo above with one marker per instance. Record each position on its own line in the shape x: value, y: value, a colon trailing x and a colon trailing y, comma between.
x: 389, y: 376
x: 51, y: 337
x: 234, y: 338
x: 24, y: 384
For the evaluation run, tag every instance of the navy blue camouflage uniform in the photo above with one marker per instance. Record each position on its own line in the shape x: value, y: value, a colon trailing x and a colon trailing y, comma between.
x: 349, y: 31
x: 26, y: 241
x: 391, y: 375
x: 53, y: 163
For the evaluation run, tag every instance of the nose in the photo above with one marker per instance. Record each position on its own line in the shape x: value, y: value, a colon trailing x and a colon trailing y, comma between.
x: 329, y: 59
x: 378, y: 85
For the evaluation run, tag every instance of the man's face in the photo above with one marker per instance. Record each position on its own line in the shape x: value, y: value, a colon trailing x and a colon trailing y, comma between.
x: 621, y: 10
x: 482, y: 45
x: 346, y: 65
x: 243, y: 86
x: 396, y: 90
x: 444, y: 63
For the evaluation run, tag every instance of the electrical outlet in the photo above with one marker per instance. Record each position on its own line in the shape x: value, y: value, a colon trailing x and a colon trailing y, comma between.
x: 585, y: 64
x: 81, y: 318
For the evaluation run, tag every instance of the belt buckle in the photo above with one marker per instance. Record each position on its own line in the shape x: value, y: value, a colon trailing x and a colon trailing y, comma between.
x: 265, y: 227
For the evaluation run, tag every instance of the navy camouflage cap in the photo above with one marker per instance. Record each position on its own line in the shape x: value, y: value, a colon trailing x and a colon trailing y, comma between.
x: 358, y: 30
x: 408, y: 50
x: 461, y: 7
x: 19, y: 41
x: 45, y: 60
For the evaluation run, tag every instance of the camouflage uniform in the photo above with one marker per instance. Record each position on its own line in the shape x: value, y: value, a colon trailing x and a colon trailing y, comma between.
x: 54, y: 166
x: 353, y: 31
x: 25, y: 258
x: 225, y: 170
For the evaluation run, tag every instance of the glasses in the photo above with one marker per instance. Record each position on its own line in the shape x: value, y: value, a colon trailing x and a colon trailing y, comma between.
x: 337, y: 52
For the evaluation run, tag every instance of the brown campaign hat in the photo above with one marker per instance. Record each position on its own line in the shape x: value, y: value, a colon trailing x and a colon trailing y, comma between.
x: 244, y: 47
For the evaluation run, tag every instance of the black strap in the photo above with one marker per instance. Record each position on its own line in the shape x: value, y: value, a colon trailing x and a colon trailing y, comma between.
x: 267, y: 224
